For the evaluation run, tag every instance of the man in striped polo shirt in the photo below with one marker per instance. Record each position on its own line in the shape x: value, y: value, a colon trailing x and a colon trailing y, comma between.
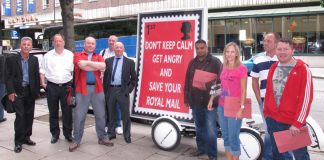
x: 259, y: 76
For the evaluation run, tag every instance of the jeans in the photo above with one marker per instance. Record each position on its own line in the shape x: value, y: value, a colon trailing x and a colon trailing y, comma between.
x: 230, y: 132
x: 2, y: 92
x: 206, y: 130
x: 299, y: 154
x: 267, y: 155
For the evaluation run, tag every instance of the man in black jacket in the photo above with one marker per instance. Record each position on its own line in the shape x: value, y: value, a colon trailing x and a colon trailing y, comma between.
x: 22, y: 84
x: 119, y: 80
x: 2, y: 85
x: 197, y: 99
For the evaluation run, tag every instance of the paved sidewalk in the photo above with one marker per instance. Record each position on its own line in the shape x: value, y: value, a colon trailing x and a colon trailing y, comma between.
x: 141, y: 148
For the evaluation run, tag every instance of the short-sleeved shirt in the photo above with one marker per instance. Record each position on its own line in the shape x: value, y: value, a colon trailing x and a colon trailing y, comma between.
x: 231, y: 82
x: 261, y: 66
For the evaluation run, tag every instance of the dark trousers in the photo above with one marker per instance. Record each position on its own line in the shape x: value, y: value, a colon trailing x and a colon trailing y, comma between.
x: 116, y: 95
x: 56, y: 96
x: 25, y: 107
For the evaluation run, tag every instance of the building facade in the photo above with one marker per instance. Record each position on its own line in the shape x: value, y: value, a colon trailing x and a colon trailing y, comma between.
x: 242, y: 21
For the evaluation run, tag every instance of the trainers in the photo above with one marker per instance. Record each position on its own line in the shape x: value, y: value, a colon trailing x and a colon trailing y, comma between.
x: 106, y: 142
x: 73, y: 147
x: 119, y: 130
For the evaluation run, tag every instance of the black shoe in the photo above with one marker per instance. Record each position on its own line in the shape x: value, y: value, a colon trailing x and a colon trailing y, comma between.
x: 112, y: 137
x: 3, y: 119
x: 29, y: 142
x: 54, y: 140
x: 69, y: 139
x: 196, y: 153
x: 18, y: 148
x: 128, y: 140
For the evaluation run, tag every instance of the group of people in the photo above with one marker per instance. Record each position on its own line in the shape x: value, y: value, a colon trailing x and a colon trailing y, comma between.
x: 282, y: 85
x: 103, y: 83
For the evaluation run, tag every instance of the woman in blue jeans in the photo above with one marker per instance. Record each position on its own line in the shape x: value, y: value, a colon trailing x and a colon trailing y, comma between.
x: 233, y: 83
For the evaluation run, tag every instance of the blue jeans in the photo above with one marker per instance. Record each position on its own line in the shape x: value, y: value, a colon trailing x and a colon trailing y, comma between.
x: 274, y: 126
x: 267, y: 155
x: 206, y: 130
x: 230, y: 132
x: 2, y: 92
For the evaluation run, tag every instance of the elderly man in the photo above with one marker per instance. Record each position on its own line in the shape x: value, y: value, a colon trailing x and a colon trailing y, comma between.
x: 89, y: 90
x: 57, y: 68
x: 119, y: 80
x: 107, y: 53
x: 22, y: 83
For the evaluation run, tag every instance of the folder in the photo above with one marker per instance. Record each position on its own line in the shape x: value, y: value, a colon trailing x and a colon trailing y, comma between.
x: 233, y: 104
x: 201, y: 78
x: 286, y: 141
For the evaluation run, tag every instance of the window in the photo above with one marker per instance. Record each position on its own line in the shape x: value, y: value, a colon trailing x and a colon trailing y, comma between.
x: 306, y: 32
x: 45, y: 4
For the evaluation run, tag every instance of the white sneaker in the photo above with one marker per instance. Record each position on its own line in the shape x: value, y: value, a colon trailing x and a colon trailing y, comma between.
x: 119, y: 130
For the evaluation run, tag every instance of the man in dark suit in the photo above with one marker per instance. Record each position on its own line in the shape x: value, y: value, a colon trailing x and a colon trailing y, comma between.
x: 22, y: 83
x: 119, y: 80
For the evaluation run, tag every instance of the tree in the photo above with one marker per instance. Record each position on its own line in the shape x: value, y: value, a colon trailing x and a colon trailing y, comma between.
x: 67, y: 7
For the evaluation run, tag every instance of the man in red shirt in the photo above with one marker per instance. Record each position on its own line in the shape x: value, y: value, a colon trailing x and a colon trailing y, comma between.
x: 89, y: 90
x: 288, y: 98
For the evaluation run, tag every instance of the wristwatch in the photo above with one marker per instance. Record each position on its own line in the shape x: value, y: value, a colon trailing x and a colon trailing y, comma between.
x: 242, y: 106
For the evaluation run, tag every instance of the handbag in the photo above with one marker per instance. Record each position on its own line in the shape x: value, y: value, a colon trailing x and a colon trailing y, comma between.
x: 70, y: 93
x: 70, y: 96
x: 8, y: 105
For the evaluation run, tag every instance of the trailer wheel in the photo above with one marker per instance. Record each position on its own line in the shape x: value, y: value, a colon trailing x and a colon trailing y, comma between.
x: 251, y: 145
x: 165, y: 134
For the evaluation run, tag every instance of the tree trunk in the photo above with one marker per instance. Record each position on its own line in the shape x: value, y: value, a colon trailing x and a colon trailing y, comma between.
x: 67, y: 7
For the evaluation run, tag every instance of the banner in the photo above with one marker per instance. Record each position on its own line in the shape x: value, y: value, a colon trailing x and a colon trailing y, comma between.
x: 19, y: 7
x: 166, y: 46
x: 31, y: 6
x: 7, y: 7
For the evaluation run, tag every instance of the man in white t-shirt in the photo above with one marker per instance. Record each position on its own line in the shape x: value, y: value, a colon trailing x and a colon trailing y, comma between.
x: 107, y: 53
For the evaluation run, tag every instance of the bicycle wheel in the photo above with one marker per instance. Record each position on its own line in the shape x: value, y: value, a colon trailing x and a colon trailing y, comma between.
x: 251, y: 145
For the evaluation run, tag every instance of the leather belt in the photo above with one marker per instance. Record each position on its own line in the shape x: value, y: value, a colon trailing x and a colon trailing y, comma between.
x: 91, y: 84
x: 60, y: 85
x: 116, y: 86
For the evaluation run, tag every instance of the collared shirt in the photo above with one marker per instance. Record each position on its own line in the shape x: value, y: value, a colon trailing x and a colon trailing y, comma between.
x: 118, y: 73
x: 81, y: 76
x: 109, y: 53
x: 58, y: 68
x: 25, y: 68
